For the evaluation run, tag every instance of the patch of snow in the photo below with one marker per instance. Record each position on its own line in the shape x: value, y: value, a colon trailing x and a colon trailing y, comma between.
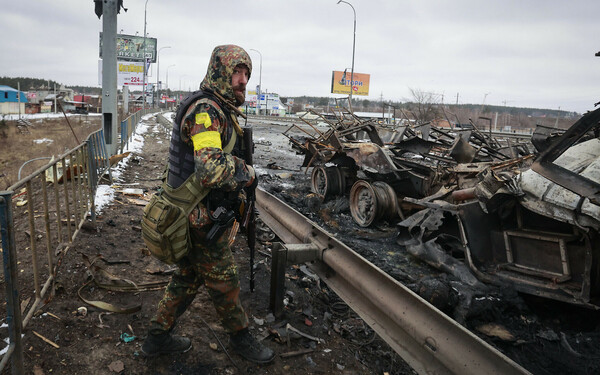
x: 104, y: 195
x: 43, y: 140
x: 34, y: 116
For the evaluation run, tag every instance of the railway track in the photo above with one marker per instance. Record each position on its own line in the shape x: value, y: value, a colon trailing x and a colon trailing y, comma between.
x: 428, y: 340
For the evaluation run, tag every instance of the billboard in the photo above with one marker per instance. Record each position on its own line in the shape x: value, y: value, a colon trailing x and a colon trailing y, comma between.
x: 340, y: 83
x: 128, y: 73
x: 131, y: 48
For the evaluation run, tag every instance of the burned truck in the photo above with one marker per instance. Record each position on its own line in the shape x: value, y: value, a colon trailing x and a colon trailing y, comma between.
x: 537, y: 229
x: 522, y: 213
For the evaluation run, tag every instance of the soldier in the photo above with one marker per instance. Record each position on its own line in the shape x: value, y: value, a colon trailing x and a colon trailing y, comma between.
x: 203, y: 142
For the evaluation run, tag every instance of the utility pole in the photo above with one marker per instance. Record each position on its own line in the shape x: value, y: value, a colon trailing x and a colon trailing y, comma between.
x: 353, y: 50
x: 258, y: 92
x: 483, y: 103
x: 19, y: 98
x: 456, y: 98
x: 382, y: 108
x: 144, y: 79
x: 158, y: 83
x: 109, y: 74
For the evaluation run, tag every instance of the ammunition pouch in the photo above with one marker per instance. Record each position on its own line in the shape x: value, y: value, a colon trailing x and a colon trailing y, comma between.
x: 165, y: 223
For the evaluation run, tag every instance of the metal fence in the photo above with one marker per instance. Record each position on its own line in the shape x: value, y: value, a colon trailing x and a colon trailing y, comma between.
x: 46, y: 210
x: 128, y: 127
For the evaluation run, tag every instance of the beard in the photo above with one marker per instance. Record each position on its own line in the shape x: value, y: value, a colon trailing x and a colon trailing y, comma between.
x: 239, y: 92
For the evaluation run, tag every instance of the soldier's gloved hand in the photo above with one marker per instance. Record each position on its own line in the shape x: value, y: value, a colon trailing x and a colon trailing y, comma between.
x: 253, y: 181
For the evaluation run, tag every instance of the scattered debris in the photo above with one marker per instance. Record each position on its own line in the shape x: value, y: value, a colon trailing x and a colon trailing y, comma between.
x: 565, y: 344
x: 102, y: 325
x: 133, y: 191
x: 116, y: 366
x: 117, y: 158
x: 24, y: 304
x: 273, y: 165
x: 138, y: 202
x: 126, y: 337
x: 496, y: 330
x: 50, y: 342
x: 289, y: 328
x: 296, y: 353
x: 52, y: 315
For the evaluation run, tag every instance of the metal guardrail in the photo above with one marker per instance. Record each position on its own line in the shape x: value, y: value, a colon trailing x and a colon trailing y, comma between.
x: 429, y: 341
x: 47, y: 209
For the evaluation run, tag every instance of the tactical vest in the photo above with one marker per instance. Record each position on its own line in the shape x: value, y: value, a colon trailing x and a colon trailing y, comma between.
x: 181, y: 156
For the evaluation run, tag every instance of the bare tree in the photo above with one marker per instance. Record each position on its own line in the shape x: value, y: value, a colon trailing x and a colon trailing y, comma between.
x: 424, y: 105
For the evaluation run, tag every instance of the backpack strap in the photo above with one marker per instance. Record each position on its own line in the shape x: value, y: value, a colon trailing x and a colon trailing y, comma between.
x: 231, y: 144
x: 187, y: 196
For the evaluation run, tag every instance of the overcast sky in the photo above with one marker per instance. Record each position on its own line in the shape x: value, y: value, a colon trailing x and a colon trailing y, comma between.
x: 529, y: 53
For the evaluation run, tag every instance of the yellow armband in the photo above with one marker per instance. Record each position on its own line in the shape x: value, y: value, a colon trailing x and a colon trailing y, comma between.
x: 206, y: 139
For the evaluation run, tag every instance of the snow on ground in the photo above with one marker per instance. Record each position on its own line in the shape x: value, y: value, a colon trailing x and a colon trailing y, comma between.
x: 35, y: 116
x: 105, y: 194
x: 42, y: 140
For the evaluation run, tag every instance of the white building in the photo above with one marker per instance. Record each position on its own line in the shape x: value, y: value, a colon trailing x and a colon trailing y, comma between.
x: 11, y: 101
x: 269, y: 104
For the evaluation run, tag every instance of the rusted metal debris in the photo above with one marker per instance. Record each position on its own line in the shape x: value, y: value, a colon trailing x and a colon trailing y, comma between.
x: 379, y: 165
x: 535, y: 228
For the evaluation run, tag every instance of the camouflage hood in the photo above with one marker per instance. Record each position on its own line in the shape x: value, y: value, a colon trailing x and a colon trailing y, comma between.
x: 220, y: 69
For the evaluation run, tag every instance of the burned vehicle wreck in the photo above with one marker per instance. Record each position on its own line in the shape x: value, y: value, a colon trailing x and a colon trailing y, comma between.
x: 512, y: 212
x: 539, y: 229
x: 377, y: 166
x: 533, y: 229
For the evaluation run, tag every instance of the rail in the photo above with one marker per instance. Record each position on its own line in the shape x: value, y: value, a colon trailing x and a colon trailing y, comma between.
x: 128, y: 128
x: 429, y: 341
x: 47, y: 210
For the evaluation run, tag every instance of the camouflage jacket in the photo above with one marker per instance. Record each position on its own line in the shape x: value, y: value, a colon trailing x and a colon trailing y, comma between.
x: 210, y: 131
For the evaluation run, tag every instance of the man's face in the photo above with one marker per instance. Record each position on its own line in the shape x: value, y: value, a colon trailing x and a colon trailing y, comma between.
x: 239, y: 79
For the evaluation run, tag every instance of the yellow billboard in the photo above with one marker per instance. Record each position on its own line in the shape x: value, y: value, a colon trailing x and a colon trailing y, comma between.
x: 340, y: 83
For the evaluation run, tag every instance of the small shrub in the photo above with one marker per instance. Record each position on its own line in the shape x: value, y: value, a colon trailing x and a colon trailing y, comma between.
x: 3, y: 127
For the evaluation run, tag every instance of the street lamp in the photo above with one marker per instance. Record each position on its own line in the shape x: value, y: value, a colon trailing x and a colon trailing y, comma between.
x: 180, y: 77
x: 484, y: 97
x: 353, y: 48
x: 259, y: 80
x: 144, y: 59
x: 170, y: 66
x: 158, y: 75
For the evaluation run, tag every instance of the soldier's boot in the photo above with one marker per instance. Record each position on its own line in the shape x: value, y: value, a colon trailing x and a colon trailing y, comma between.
x: 165, y: 343
x: 248, y: 347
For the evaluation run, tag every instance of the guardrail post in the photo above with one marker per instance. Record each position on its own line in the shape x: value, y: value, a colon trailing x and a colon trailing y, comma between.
x: 9, y: 258
x: 278, y: 264
x: 284, y: 255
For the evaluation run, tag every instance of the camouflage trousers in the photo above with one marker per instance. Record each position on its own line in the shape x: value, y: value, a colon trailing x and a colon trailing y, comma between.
x: 210, y: 265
